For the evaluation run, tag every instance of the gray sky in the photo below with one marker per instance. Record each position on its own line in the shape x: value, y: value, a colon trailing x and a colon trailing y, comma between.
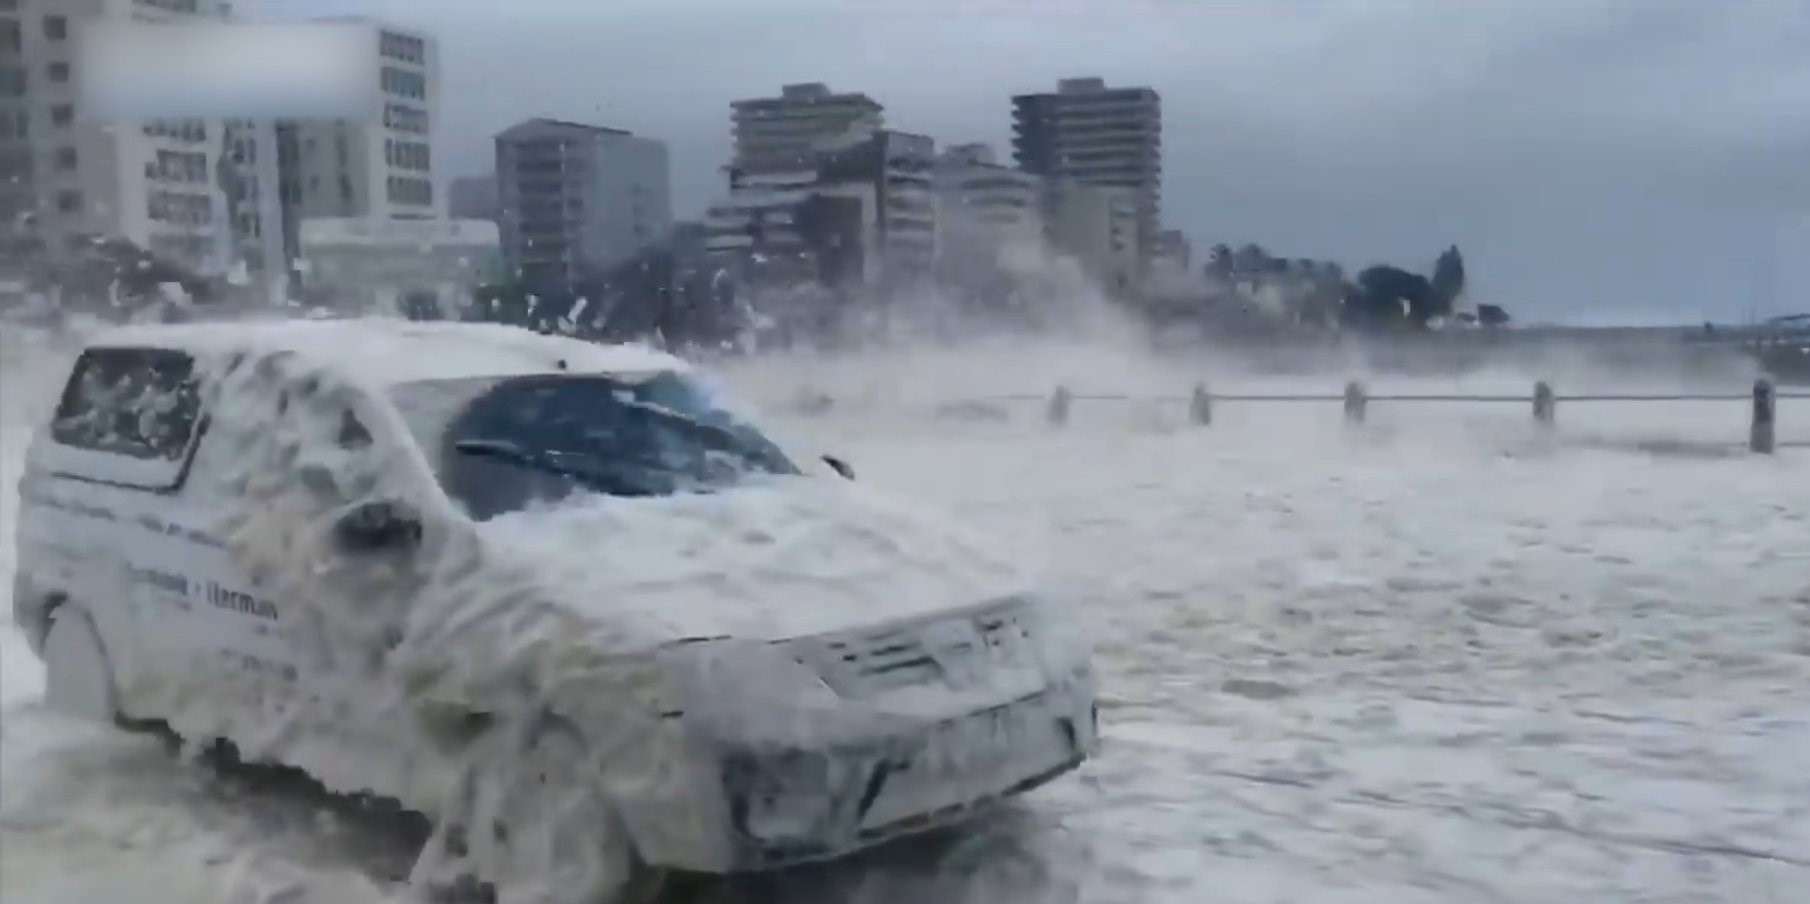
x: 1594, y: 159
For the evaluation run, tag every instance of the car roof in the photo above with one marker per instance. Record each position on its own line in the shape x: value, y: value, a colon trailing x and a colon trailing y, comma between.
x: 381, y: 352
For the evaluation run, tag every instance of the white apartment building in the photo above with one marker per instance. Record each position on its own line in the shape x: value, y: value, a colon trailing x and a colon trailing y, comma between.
x: 1098, y: 226
x: 403, y: 267
x: 379, y: 165
x: 983, y: 206
x: 155, y: 184
x: 907, y: 192
x: 776, y: 228
x: 576, y: 199
x: 1099, y: 135
x: 18, y: 192
x: 758, y: 217
x: 861, y: 209
x: 249, y: 181
x: 783, y: 133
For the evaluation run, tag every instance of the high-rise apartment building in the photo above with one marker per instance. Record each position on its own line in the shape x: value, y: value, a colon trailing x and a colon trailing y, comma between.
x: 218, y: 195
x: 784, y: 133
x: 380, y: 164
x: 250, y: 181
x: 983, y: 201
x: 18, y: 192
x: 855, y: 214
x: 1096, y: 135
x: 1097, y: 225
x: 577, y: 199
x: 155, y: 183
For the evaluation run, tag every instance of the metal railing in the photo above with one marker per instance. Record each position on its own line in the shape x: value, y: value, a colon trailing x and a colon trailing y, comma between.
x: 1543, y: 403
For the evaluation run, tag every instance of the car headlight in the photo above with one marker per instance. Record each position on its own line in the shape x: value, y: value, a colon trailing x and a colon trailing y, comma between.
x: 1056, y: 635
x: 780, y: 796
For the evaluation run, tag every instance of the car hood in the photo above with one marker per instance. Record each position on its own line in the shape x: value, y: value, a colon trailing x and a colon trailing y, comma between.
x: 778, y: 558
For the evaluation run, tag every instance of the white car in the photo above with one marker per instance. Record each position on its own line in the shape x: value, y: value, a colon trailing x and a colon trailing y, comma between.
x: 558, y: 597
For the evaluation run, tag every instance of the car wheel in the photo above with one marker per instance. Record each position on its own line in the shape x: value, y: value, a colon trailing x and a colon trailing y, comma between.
x: 78, y: 677
x: 530, y: 824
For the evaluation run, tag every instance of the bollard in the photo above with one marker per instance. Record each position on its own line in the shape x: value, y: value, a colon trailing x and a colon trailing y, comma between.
x: 1545, y: 404
x: 1763, y: 436
x: 1200, y: 406
x: 1355, y: 402
x: 1059, y: 402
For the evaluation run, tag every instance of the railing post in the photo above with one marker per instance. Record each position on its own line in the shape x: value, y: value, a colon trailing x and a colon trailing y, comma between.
x: 1545, y: 404
x: 1200, y: 406
x: 1356, y: 400
x: 1059, y: 402
x: 1763, y: 436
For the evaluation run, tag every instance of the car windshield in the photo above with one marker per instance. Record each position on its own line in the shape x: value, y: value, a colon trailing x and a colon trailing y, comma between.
x: 527, y: 440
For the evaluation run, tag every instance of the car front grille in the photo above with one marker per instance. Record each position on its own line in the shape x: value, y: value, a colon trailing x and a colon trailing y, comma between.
x: 865, y: 664
x: 882, y: 662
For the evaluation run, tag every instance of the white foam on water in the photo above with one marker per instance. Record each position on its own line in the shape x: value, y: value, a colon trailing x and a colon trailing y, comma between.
x: 1442, y: 658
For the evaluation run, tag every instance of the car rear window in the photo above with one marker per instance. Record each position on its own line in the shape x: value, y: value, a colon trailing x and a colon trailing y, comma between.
x: 138, y: 402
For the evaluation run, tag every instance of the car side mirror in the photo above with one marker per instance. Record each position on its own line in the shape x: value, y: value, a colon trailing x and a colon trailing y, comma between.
x: 840, y: 467
x: 378, y: 527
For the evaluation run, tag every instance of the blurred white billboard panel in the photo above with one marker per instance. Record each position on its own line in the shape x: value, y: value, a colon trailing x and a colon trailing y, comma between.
x: 303, y: 70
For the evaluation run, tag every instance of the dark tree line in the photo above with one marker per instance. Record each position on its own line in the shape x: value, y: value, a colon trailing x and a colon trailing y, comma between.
x: 1381, y: 298
x: 655, y: 297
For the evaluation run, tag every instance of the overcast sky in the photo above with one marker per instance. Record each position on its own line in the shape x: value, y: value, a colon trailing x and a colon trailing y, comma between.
x: 1594, y: 159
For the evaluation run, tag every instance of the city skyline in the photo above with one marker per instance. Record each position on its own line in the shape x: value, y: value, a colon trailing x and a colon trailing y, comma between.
x: 1592, y: 159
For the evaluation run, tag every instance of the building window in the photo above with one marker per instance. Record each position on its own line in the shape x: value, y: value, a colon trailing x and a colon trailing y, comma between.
x: 179, y: 208
x: 178, y: 166
x: 408, y: 155
x: 16, y: 163
x: 10, y: 35
x: 405, y: 119
x: 16, y: 124
x: 66, y: 159
x: 192, y: 131
x: 403, y: 83
x: 69, y: 201
x: 12, y: 81
x: 56, y: 28
x: 59, y: 72
x: 403, y: 190
x: 62, y: 114
x: 402, y: 48
x: 175, y: 6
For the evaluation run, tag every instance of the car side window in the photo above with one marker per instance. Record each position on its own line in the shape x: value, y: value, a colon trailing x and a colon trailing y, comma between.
x: 139, y: 402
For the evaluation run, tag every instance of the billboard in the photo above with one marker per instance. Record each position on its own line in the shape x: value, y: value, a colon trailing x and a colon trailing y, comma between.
x: 227, y: 70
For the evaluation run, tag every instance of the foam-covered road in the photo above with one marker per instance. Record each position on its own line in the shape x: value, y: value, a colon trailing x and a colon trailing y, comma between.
x: 1442, y: 659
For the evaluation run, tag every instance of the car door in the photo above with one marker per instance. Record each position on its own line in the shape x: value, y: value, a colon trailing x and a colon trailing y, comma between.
x: 299, y: 456
x: 259, y: 465
x: 105, y: 484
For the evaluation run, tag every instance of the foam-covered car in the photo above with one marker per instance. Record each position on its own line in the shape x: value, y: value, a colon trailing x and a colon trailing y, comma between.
x: 562, y: 598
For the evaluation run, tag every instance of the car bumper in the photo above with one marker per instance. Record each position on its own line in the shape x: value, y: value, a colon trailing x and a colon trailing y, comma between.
x: 789, y: 806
